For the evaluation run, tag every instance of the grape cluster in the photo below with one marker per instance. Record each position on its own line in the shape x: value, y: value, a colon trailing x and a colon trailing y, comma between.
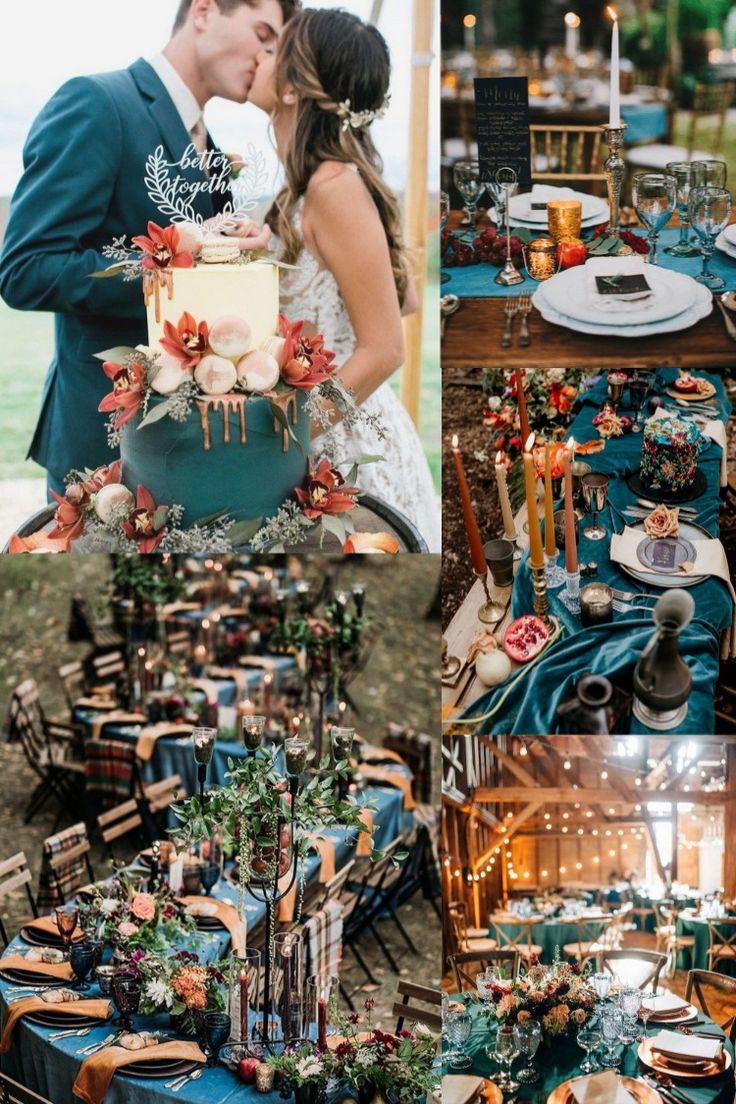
x: 488, y: 248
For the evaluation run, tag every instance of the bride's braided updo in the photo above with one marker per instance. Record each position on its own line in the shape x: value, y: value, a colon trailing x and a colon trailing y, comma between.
x: 339, y: 68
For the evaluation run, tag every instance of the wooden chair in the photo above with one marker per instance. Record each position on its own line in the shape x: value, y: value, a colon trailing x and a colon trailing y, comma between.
x: 710, y: 106
x: 160, y: 795
x: 122, y: 820
x: 466, y: 964
x: 721, y: 942
x: 521, y: 940
x: 315, y: 896
x: 72, y: 680
x: 108, y: 668
x: 468, y: 939
x: 591, y: 939
x: 633, y: 967
x: 14, y: 873
x: 410, y: 1006
x: 65, y: 866
x: 13, y: 1093
x: 178, y: 640
x: 724, y: 986
x: 565, y: 153
x: 84, y: 626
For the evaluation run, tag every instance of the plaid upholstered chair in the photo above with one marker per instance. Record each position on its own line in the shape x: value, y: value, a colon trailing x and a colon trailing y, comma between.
x: 65, y: 867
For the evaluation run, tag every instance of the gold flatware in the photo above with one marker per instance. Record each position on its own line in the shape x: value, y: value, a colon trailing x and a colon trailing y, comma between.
x: 510, y: 310
x: 525, y: 307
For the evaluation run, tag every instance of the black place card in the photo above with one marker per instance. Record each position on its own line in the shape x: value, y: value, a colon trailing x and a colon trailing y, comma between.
x: 539, y: 206
x: 502, y: 127
x: 621, y: 284
x: 663, y: 554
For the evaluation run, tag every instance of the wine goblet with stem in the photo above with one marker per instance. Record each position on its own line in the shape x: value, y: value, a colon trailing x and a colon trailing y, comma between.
x: 646, y: 1007
x: 216, y: 1029
x: 655, y: 198
x: 501, y: 193
x: 444, y: 218
x: 588, y: 1038
x: 638, y: 391
x: 612, y: 1019
x: 684, y: 175
x: 209, y: 874
x: 527, y: 1037
x: 82, y: 959
x: 470, y: 186
x: 126, y: 991
x: 630, y: 1000
x: 710, y: 210
x: 595, y: 494
x: 601, y: 982
x: 505, y: 1053
x: 458, y: 1025
x: 709, y: 173
x: 66, y: 921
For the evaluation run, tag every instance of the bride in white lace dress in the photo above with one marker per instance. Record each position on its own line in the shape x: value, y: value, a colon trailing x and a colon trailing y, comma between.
x: 339, y: 223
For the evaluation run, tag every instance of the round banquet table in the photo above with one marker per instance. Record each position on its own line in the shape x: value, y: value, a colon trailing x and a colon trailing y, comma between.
x: 696, y: 958
x: 547, y: 934
x: 561, y: 1060
x: 51, y: 1067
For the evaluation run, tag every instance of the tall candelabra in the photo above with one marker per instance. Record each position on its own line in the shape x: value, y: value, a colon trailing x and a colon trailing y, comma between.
x: 614, y: 166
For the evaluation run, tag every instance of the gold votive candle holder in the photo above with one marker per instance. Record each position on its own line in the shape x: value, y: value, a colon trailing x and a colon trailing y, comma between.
x: 540, y: 258
x: 265, y: 1077
x: 564, y: 218
x: 596, y: 604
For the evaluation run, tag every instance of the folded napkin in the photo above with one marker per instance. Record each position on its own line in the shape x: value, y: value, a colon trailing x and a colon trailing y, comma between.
x: 710, y: 559
x: 601, y: 1088
x: 364, y: 845
x: 233, y: 674
x: 664, y: 1004
x: 228, y: 916
x: 96, y: 1073
x: 730, y: 235
x: 60, y: 970
x: 95, y: 1009
x: 115, y: 716
x: 172, y: 608
x: 258, y: 661
x: 545, y: 193
x: 326, y: 851
x: 637, y: 301
x: 147, y: 737
x: 458, y: 1089
x: 693, y: 1047
x: 715, y: 429
x: 391, y: 778
x: 46, y: 925
x: 209, y: 688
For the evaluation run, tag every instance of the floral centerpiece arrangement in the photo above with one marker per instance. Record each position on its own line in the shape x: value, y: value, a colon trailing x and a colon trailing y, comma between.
x: 550, y: 905
x: 550, y: 396
x: 558, y: 997
x: 303, y: 1070
x: 135, y: 920
x: 180, y: 985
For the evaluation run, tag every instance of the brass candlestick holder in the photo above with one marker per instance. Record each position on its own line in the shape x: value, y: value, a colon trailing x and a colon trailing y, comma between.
x: 541, y: 601
x: 614, y: 166
x: 450, y: 664
x: 509, y: 274
x: 490, y: 613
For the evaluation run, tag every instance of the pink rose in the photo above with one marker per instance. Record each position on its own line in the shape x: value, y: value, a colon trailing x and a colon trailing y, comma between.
x: 127, y: 929
x: 144, y: 906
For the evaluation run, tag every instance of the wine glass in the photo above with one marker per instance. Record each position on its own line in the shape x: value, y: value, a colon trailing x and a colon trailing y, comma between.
x: 595, y: 494
x: 470, y: 186
x: 82, y: 959
x: 444, y: 218
x: 588, y: 1038
x: 611, y: 1026
x: 655, y: 198
x: 601, y: 982
x: 209, y: 874
x: 684, y: 175
x: 630, y: 1001
x: 505, y: 1054
x: 216, y: 1029
x: 458, y: 1027
x: 616, y: 383
x: 527, y: 1037
x: 710, y: 210
x: 646, y: 1007
x: 66, y: 921
x: 126, y: 991
x: 638, y: 391
x: 709, y: 173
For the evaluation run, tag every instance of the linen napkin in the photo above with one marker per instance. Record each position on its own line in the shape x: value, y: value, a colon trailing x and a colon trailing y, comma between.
x: 60, y: 970
x: 635, y: 302
x: 664, y: 1005
x: 714, y: 429
x: 601, y: 1088
x: 391, y: 778
x: 116, y: 716
x: 458, y: 1089
x: 710, y: 559
x: 364, y: 845
x: 675, y: 1045
x: 95, y: 1009
x: 147, y: 737
x: 172, y: 608
x: 46, y: 925
x: 232, y: 674
x: 96, y: 1073
x: 228, y: 916
x: 209, y: 688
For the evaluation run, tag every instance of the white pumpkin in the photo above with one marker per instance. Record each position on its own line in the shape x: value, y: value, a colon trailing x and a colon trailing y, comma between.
x: 215, y: 375
x: 493, y: 668
x: 258, y: 371
x: 111, y: 501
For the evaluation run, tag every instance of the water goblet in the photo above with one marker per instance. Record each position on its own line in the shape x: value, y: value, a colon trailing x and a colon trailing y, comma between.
x: 708, y: 173
x: 655, y: 197
x: 611, y: 1026
x: 209, y: 874
x: 527, y: 1037
x: 684, y: 175
x: 458, y: 1025
x: 646, y: 1007
x: 82, y: 960
x: 588, y: 1038
x: 710, y: 210
x: 468, y: 182
x: 638, y: 390
x: 505, y: 1054
x: 104, y: 975
x: 595, y: 494
x: 126, y: 992
x: 444, y: 218
x: 97, y: 946
x: 66, y: 921
x: 630, y: 1002
x: 216, y: 1028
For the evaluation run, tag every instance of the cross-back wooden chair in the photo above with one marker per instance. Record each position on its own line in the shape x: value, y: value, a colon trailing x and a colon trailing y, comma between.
x: 721, y: 942
x: 417, y: 1005
x: 65, y: 866
x: 590, y: 939
x: 517, y: 935
x: 724, y: 986
x: 465, y: 965
x: 14, y: 873
x: 632, y: 966
x: 13, y: 1093
x: 566, y: 153
x: 467, y: 938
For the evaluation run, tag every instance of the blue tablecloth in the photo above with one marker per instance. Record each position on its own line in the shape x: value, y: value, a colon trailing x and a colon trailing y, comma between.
x: 477, y: 281
x: 613, y: 649
x: 647, y: 122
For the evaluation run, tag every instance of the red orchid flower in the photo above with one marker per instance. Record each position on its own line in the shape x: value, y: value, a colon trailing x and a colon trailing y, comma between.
x: 161, y: 248
x: 127, y: 393
x: 186, y: 341
x: 72, y: 507
x: 326, y: 492
x: 146, y: 525
x: 306, y: 362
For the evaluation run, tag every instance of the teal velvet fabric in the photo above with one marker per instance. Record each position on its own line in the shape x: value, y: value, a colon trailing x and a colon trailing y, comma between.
x: 614, y: 649
x: 247, y: 481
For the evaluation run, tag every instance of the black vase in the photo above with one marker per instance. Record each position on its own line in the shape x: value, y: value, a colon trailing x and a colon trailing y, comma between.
x: 366, y: 1094
x: 307, y: 1094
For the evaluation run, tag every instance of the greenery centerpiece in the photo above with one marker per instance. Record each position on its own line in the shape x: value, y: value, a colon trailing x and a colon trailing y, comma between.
x: 181, y: 985
x: 304, y: 1070
x: 132, y: 919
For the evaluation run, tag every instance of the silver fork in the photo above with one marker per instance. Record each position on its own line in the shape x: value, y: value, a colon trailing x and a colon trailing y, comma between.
x: 510, y: 309
x: 70, y: 1034
x: 193, y: 1076
x: 92, y: 1048
x: 631, y: 595
x: 525, y: 307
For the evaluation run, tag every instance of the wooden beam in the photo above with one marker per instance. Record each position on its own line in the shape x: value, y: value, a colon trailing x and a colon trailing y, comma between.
x: 563, y: 795
x: 506, y: 831
x: 508, y: 761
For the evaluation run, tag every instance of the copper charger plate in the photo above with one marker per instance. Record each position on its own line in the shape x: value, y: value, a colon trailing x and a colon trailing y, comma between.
x: 686, y: 1016
x: 674, y: 1069
x: 641, y: 1092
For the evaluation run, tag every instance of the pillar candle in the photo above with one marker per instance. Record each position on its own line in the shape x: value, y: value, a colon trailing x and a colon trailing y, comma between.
x: 550, y: 544
x: 244, y: 1000
x: 536, y: 558
x: 521, y: 399
x: 267, y: 683
x: 571, y: 551
x: 614, y: 118
x: 572, y: 32
x: 509, y: 526
x: 471, y: 526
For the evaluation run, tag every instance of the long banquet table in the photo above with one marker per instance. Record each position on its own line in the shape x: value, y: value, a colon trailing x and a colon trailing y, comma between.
x: 551, y: 935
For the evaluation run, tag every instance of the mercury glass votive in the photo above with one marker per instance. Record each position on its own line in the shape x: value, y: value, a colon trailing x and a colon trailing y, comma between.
x: 296, y: 755
x: 341, y: 740
x: 564, y: 218
x: 540, y: 258
x: 253, y: 729
x: 104, y: 979
x: 596, y: 604
x: 265, y: 1076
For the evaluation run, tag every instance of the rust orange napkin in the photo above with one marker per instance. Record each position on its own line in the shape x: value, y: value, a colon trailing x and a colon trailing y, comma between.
x: 96, y: 1073
x: 364, y: 846
x: 46, y: 925
x: 233, y: 674
x: 147, y: 737
x: 97, y: 1009
x: 227, y: 915
x: 209, y: 688
x: 391, y: 778
x: 118, y: 716
x: 326, y: 850
x: 61, y: 970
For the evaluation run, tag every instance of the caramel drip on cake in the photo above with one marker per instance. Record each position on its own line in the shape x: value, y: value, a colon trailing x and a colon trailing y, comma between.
x: 289, y: 406
x: 226, y: 403
x: 153, y: 282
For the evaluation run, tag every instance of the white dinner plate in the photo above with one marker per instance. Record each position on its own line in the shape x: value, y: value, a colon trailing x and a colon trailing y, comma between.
x: 674, y: 293
x: 587, y: 224
x: 701, y: 309
x: 730, y: 235
x: 520, y: 208
x: 725, y: 245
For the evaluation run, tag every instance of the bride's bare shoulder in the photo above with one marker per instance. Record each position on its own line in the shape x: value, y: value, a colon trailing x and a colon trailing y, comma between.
x: 335, y: 180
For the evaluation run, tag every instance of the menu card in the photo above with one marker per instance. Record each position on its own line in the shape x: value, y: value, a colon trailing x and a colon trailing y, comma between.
x: 502, y: 127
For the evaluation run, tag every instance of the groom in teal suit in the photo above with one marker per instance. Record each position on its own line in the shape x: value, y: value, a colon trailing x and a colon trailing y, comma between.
x: 83, y: 185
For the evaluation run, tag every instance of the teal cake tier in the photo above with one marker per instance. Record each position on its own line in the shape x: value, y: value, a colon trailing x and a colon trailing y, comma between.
x: 228, y: 456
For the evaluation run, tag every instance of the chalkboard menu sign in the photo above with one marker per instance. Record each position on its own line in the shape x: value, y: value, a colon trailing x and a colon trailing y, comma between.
x: 502, y: 126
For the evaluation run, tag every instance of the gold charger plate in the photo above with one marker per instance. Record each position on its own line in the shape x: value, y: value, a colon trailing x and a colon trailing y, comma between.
x: 693, y: 396
x: 641, y: 1092
x: 673, y: 1069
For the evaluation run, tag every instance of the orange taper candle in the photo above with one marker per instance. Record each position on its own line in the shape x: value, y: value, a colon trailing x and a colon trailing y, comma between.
x: 536, y: 559
x: 571, y: 549
x: 521, y: 399
x: 471, y: 526
x: 550, y: 544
